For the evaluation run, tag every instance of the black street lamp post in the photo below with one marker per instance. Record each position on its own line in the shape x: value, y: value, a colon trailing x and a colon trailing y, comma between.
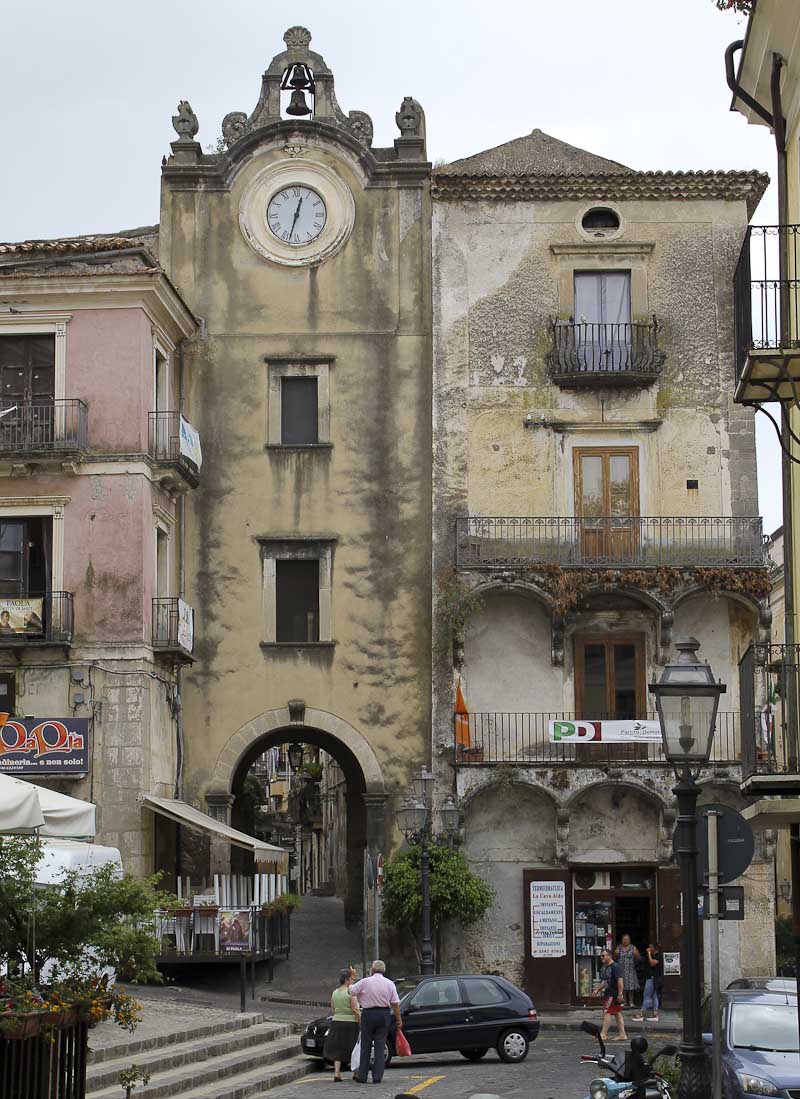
x: 687, y: 698
x: 414, y: 821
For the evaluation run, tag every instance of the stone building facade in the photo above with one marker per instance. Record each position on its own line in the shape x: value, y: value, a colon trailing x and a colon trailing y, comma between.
x: 305, y: 250
x: 594, y: 498
x: 90, y: 523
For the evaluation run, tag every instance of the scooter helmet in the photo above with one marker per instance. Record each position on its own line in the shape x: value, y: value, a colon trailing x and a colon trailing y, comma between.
x: 639, y: 1044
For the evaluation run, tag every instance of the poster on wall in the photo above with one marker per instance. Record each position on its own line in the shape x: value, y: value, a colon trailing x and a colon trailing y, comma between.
x: 39, y: 746
x: 672, y: 963
x: 190, y: 443
x: 20, y: 615
x: 234, y: 930
x: 548, y: 919
x: 185, y: 625
x: 605, y: 732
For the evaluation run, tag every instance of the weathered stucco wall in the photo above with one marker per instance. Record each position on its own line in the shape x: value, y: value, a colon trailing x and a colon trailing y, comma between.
x: 366, y: 311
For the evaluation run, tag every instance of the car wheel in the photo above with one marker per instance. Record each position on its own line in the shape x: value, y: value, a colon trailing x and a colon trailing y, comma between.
x: 475, y: 1053
x: 512, y: 1046
x: 389, y: 1055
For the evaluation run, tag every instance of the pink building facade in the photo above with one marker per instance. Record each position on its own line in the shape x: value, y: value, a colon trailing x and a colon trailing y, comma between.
x: 93, y: 477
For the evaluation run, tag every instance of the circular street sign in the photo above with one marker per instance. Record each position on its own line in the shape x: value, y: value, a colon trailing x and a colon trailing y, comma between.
x: 736, y: 843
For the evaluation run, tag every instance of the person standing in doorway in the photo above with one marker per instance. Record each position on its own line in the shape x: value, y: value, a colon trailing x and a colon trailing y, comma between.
x: 613, y: 997
x: 343, y: 1031
x: 652, y: 986
x: 627, y: 956
x: 377, y: 997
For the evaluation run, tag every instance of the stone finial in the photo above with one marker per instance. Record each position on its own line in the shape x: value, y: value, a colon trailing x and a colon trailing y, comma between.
x: 234, y: 125
x: 297, y: 38
x: 410, y: 118
x: 185, y: 122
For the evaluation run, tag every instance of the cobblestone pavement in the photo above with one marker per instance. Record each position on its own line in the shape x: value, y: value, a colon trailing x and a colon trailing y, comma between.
x: 552, y: 1069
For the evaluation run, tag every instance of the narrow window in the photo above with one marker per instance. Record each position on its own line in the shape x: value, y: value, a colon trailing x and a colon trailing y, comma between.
x: 602, y: 305
x: 161, y: 383
x: 8, y: 693
x: 606, y: 494
x: 27, y: 389
x: 297, y: 600
x: 299, y: 410
x: 610, y: 685
x: 162, y: 563
x: 25, y: 556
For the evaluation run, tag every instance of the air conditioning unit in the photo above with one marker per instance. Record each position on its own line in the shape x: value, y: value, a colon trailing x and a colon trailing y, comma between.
x: 592, y: 879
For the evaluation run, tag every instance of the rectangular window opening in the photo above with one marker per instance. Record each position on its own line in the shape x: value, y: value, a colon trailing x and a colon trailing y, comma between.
x: 299, y: 411
x: 297, y: 601
x: 8, y: 693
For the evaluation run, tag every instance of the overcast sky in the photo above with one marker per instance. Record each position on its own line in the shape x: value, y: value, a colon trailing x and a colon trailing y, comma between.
x: 88, y: 88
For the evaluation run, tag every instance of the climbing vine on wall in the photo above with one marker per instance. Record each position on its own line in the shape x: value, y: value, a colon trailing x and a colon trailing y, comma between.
x: 456, y: 603
x: 567, y: 586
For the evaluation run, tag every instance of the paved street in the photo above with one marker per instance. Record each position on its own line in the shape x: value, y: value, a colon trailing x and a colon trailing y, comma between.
x: 551, y: 1069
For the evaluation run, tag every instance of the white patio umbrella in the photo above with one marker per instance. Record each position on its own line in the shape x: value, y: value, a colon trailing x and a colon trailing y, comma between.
x: 26, y: 809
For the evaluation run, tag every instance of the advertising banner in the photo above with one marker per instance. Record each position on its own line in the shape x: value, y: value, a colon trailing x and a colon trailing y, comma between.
x: 185, y: 626
x: 20, y: 615
x: 605, y: 732
x: 38, y: 746
x: 548, y: 919
x: 234, y: 930
x: 190, y: 443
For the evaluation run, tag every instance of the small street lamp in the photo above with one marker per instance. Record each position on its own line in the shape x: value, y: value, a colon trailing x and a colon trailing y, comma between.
x: 414, y: 821
x: 295, y: 754
x: 687, y: 698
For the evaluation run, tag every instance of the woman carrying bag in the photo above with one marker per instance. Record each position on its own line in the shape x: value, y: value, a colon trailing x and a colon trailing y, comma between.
x: 343, y: 1031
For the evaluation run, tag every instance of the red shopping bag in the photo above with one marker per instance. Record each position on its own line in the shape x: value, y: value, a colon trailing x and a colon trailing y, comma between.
x: 401, y: 1046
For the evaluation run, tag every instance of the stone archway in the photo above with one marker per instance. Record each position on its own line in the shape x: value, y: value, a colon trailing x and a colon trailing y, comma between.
x: 366, y: 796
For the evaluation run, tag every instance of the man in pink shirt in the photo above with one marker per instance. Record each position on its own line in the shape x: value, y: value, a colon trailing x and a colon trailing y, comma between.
x: 377, y: 997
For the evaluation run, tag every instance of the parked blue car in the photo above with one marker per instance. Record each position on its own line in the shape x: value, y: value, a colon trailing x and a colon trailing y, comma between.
x: 759, y: 1043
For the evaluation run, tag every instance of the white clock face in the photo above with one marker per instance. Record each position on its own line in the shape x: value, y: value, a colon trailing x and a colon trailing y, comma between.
x: 296, y: 214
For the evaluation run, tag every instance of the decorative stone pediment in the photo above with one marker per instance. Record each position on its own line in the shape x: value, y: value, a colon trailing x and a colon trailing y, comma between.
x: 325, y: 105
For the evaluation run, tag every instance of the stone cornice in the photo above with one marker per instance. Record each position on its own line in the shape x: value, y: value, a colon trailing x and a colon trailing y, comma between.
x: 746, y: 186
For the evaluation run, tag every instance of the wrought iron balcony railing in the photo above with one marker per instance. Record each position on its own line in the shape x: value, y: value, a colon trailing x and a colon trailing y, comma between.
x: 614, y: 541
x: 604, y: 354
x: 766, y: 291
x: 173, y: 625
x: 37, y: 619
x: 43, y: 426
x: 769, y: 689
x: 523, y: 738
x: 164, y: 446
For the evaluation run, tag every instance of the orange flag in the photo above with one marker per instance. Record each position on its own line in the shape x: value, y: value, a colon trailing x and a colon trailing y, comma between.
x: 463, y: 738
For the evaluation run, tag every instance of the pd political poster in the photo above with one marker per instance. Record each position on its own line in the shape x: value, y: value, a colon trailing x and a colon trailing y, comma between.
x: 605, y: 732
x: 44, y: 746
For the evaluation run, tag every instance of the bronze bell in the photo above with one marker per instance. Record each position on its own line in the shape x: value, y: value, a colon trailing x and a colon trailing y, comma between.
x: 297, y: 104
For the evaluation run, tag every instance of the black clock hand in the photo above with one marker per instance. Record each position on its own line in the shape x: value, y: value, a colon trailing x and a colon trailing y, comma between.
x: 296, y: 216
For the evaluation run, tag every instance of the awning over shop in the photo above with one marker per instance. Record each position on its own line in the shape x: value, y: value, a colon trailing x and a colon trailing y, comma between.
x: 263, y: 853
x: 27, y: 809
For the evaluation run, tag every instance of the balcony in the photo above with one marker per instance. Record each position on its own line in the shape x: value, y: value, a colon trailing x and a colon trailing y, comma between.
x: 586, y: 354
x: 770, y: 739
x: 29, y: 621
x: 609, y: 541
x: 173, y: 629
x: 167, y: 446
x: 767, y: 314
x: 43, y: 429
x: 524, y: 740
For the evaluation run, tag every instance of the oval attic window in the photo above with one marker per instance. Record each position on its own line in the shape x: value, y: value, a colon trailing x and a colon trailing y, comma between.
x: 600, y: 220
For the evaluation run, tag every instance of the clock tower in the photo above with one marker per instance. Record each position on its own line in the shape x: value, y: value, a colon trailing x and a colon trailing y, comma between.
x: 305, y: 251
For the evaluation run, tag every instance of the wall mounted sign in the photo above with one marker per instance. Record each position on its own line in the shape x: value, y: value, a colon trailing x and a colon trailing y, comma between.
x: 548, y: 919
x: 38, y: 746
x: 672, y: 963
x: 605, y: 732
x: 190, y: 443
x: 185, y: 625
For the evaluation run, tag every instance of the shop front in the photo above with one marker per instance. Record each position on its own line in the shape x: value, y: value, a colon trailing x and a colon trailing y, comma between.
x: 575, y: 914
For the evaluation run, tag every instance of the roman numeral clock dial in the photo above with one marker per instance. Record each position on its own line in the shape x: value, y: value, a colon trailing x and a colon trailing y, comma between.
x: 296, y: 215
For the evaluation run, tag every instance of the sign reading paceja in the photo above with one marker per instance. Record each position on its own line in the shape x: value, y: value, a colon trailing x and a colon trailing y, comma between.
x: 605, y: 732
x: 37, y: 746
x: 548, y: 919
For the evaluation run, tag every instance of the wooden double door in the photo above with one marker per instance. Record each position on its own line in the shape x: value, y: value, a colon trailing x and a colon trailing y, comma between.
x: 607, y: 504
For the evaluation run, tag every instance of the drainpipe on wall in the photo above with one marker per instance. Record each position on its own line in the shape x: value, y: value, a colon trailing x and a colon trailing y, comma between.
x: 179, y: 748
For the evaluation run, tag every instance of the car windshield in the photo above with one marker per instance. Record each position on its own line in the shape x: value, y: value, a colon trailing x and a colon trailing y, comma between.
x: 405, y: 985
x: 765, y: 1026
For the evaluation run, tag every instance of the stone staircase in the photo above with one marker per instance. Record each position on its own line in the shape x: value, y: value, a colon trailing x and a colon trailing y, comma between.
x: 243, y: 1058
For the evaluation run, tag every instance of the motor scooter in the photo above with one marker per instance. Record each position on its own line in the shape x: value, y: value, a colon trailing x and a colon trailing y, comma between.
x: 635, y: 1078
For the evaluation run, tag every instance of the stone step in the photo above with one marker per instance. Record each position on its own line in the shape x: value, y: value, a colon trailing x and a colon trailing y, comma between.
x: 254, y: 1085
x: 218, y: 1075
x: 197, y: 1048
x: 134, y: 1046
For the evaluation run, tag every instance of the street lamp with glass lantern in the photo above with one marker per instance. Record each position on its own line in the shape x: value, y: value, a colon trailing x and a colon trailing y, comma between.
x: 414, y: 821
x: 295, y: 755
x: 687, y: 699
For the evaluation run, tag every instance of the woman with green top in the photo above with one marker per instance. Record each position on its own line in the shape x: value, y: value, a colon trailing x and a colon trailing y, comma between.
x: 343, y: 1032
